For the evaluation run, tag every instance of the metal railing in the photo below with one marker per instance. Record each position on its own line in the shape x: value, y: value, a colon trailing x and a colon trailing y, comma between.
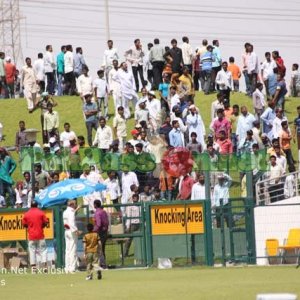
x: 270, y: 190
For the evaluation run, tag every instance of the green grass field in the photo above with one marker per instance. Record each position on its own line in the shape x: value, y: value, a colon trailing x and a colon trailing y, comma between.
x: 70, y: 110
x: 182, y: 283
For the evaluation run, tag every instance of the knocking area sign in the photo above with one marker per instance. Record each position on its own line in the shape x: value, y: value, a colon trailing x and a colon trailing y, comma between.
x: 177, y: 219
x: 12, y: 229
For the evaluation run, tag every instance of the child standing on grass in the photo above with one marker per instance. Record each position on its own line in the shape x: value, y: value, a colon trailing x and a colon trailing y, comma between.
x: 91, y: 246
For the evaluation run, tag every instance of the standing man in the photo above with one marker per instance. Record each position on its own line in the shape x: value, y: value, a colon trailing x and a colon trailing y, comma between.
x: 71, y: 236
x: 84, y: 83
x: 100, y: 91
x: 187, y: 54
x: 198, y: 189
x: 49, y: 64
x: 221, y: 192
x: 176, y: 137
x: 267, y: 68
x: 10, y: 73
x: 135, y: 56
x: 279, y: 62
x: 148, y: 66
x: 126, y: 80
x: 206, y: 63
x: 156, y: 58
x: 79, y: 62
x: 39, y: 68
x: 90, y: 111
x: 224, y: 81
x: 281, y: 91
x: 70, y: 83
x: 176, y: 54
x: 21, y: 136
x: 101, y: 227
x: 104, y: 136
x: 51, y: 122
x: 60, y: 63
x: 114, y: 86
x: 109, y: 56
x: 29, y: 82
x: 2, y: 75
x: 7, y: 167
x: 35, y: 221
x: 216, y: 65
x: 120, y: 129
x: 253, y: 68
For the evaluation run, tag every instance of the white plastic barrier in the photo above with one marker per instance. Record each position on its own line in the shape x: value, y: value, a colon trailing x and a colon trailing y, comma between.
x: 276, y: 297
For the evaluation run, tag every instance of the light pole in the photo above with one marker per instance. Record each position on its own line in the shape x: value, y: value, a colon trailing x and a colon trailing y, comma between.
x: 30, y: 135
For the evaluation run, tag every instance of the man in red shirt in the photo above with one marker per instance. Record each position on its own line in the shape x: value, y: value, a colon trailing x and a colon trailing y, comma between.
x: 10, y: 73
x: 35, y: 220
x: 224, y: 143
x: 185, y: 187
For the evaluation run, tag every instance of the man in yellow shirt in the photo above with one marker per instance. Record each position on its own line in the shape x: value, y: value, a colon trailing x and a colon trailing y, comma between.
x: 187, y: 83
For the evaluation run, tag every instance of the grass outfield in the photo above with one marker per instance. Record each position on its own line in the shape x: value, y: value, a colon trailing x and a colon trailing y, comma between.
x: 188, y: 283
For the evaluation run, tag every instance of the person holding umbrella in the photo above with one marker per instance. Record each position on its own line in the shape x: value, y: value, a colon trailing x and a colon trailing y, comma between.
x: 71, y: 236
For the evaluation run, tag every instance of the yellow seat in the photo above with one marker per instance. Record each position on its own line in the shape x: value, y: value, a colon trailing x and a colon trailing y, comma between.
x: 272, y: 250
x: 292, y: 243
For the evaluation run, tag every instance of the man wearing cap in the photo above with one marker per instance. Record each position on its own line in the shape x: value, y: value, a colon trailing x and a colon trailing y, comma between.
x: 221, y: 193
x: 35, y: 221
x: 104, y: 136
x: 71, y: 236
x: 10, y: 73
x: 135, y: 133
x: 90, y: 111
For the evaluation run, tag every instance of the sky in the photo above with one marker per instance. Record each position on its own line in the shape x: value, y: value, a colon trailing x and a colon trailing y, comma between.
x: 269, y: 25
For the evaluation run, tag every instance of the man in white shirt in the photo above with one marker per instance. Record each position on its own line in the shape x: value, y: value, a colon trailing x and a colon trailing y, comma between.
x: 114, y: 86
x: 267, y: 68
x: 109, y: 56
x: 50, y: 66
x: 276, y: 128
x: 217, y: 104
x: 224, y: 80
x: 100, y: 89
x: 275, y: 188
x: 135, y: 56
x: 198, y: 189
x: 66, y: 136
x: 39, y: 69
x: 71, y: 236
x: 104, y: 136
x: 253, y: 67
x: 148, y: 66
x: 126, y: 80
x: 119, y: 126
x: 258, y: 100
x: 113, y: 191
x: 154, y: 107
x: 28, y: 81
x: 84, y: 83
x: 128, y: 179
x: 187, y: 54
x: 70, y: 83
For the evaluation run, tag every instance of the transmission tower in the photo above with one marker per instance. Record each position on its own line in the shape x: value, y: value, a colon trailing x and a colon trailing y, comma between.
x: 10, y: 37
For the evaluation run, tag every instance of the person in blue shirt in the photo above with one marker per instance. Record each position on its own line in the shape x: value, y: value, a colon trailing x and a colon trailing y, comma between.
x: 90, y: 111
x: 79, y: 62
x: 272, y: 83
x: 60, y: 64
x: 216, y: 65
x: 163, y: 89
x: 176, y: 136
x: 206, y: 60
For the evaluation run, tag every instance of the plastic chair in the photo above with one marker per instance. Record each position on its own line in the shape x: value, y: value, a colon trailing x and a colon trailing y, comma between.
x: 292, y: 243
x: 272, y: 250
